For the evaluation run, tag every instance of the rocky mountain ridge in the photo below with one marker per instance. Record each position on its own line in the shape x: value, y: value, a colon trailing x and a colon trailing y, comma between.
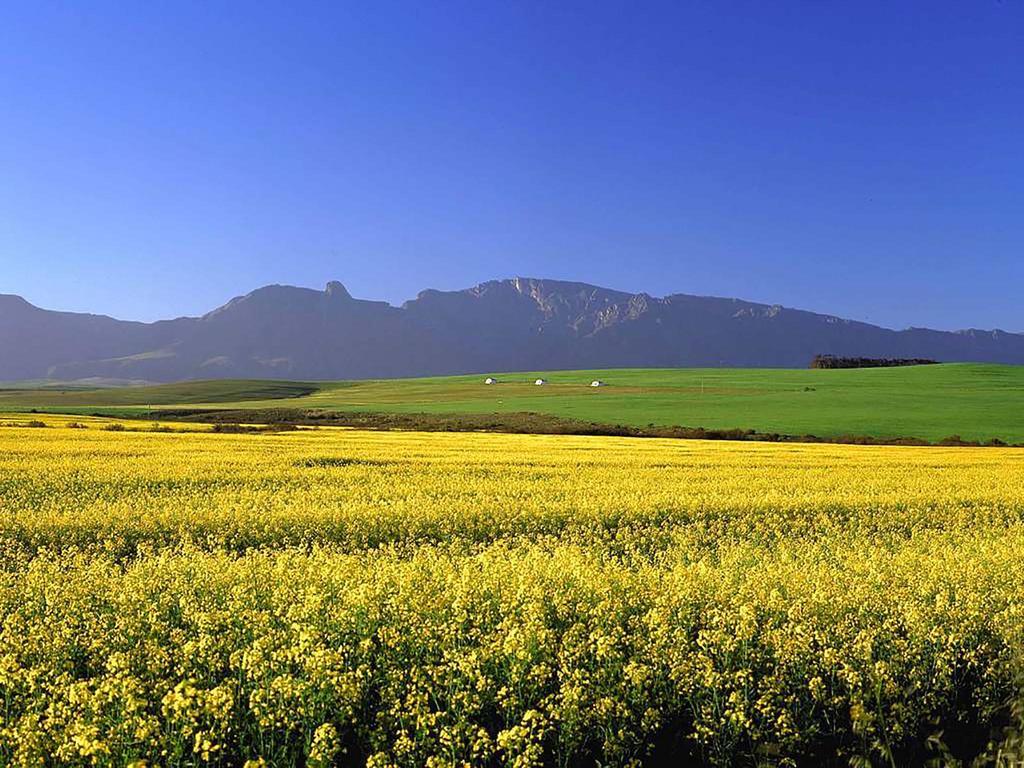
x: 502, y: 325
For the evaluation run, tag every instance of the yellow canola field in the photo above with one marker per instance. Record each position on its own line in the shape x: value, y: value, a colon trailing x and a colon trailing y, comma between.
x: 336, y: 597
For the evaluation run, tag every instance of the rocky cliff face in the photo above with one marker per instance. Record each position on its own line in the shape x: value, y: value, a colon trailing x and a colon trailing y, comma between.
x: 501, y: 325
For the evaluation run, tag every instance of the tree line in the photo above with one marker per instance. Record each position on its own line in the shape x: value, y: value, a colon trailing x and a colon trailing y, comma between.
x: 834, y: 361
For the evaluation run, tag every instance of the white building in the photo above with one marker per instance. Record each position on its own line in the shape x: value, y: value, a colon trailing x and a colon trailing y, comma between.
x: 541, y: 382
x: 490, y: 380
x: 597, y: 383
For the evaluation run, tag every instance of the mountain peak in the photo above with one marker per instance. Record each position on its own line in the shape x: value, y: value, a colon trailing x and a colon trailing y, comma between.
x: 11, y: 300
x: 337, y: 291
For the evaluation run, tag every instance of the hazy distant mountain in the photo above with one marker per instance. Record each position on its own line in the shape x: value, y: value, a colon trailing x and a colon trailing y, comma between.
x: 502, y: 325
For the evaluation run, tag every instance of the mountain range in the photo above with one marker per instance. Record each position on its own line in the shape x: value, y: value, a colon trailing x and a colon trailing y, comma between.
x: 503, y: 325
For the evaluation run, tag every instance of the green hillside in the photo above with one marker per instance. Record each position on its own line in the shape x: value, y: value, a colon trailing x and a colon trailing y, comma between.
x: 75, y: 396
x: 978, y: 402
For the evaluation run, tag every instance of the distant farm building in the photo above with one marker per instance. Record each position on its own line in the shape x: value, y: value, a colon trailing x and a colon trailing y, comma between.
x: 490, y: 380
x: 597, y: 383
x: 541, y: 382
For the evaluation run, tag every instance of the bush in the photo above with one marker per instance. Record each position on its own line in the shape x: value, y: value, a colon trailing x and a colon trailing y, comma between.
x: 956, y: 441
x: 245, y: 429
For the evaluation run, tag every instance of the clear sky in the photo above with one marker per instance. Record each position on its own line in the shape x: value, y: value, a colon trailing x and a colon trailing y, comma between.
x: 860, y: 158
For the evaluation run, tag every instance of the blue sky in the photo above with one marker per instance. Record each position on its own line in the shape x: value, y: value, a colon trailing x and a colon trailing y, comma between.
x: 863, y: 159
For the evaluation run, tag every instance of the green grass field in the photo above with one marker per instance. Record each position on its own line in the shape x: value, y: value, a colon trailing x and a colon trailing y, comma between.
x: 977, y: 402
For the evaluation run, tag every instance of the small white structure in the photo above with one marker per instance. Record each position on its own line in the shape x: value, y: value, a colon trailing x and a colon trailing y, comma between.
x: 490, y: 380
x: 540, y: 382
x: 597, y: 383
